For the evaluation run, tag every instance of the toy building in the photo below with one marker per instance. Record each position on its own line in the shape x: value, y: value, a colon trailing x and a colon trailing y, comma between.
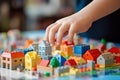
x: 67, y: 48
x: 105, y: 59
x: 31, y: 60
x: 70, y: 62
x: 92, y: 54
x: 45, y: 50
x: 80, y: 49
x: 11, y: 60
x: 91, y: 65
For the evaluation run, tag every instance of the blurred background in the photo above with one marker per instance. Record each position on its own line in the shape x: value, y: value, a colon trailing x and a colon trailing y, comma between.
x: 27, y: 15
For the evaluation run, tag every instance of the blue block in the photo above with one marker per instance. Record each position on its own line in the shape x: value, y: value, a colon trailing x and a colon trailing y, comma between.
x: 61, y: 59
x: 81, y: 49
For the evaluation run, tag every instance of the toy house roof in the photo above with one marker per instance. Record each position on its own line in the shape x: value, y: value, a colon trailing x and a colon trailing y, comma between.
x: 114, y: 50
x: 32, y: 54
x: 94, y: 52
x: 12, y: 54
x: 44, y: 63
x: 71, y: 62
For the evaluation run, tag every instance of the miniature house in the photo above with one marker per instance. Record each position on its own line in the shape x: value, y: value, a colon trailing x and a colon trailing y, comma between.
x: 70, y: 62
x: 61, y: 59
x: 92, y: 54
x: 105, y: 59
x: 12, y: 60
x: 43, y: 67
x: 80, y: 49
x: 31, y: 60
x: 67, y: 48
x: 45, y: 50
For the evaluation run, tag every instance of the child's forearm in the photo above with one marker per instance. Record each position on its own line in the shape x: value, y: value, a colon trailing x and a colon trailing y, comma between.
x: 99, y: 8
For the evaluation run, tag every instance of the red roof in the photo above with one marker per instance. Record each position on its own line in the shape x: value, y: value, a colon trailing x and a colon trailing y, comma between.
x: 117, y: 59
x: 13, y: 54
x: 65, y: 42
x: 92, y: 54
x: 44, y: 63
x: 114, y: 50
x: 70, y: 62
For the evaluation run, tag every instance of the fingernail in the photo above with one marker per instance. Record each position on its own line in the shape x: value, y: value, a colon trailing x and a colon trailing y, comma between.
x: 51, y: 44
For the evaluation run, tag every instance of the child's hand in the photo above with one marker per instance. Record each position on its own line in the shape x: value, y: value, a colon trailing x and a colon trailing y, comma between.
x: 71, y: 25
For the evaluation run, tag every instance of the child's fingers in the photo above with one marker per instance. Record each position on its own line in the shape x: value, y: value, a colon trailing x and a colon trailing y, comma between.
x: 52, y: 33
x: 62, y: 30
x: 47, y: 32
x: 71, y: 33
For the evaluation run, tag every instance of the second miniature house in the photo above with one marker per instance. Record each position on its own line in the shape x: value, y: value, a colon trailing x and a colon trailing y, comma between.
x: 45, y: 50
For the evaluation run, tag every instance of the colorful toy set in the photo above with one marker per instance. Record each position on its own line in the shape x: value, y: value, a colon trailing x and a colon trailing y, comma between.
x: 42, y: 59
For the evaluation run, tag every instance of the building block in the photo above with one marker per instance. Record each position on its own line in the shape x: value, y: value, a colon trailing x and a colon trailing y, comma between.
x: 54, y: 62
x: 86, y: 40
x: 102, y: 47
x: 80, y: 49
x: 92, y: 54
x: 70, y: 62
x: 56, y: 47
x: 114, y: 50
x: 74, y: 71
x: 110, y: 45
x: 103, y: 41
x: 11, y: 60
x: 31, y: 60
x: 67, y: 48
x: 55, y: 52
x: 47, y: 74
x: 43, y: 70
x: 45, y: 50
x: 79, y: 60
x: 28, y: 43
x: 44, y: 63
x: 61, y: 70
x: 105, y: 59
x: 61, y: 59
x: 90, y: 64
x: 117, y: 59
x: 35, y: 46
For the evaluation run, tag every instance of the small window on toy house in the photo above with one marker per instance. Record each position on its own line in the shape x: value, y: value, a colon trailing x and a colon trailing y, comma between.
x: 43, y: 48
x: 100, y: 58
x: 87, y: 54
x: 40, y: 48
x: 15, y: 60
x: 20, y: 59
x: 4, y: 58
x: 8, y: 59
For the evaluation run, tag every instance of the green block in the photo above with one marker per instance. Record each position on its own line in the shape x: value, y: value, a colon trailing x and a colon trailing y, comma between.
x: 47, y: 74
x: 103, y: 41
x: 54, y: 62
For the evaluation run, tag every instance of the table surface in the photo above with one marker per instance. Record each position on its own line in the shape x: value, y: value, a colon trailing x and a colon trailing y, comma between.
x: 104, y: 74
